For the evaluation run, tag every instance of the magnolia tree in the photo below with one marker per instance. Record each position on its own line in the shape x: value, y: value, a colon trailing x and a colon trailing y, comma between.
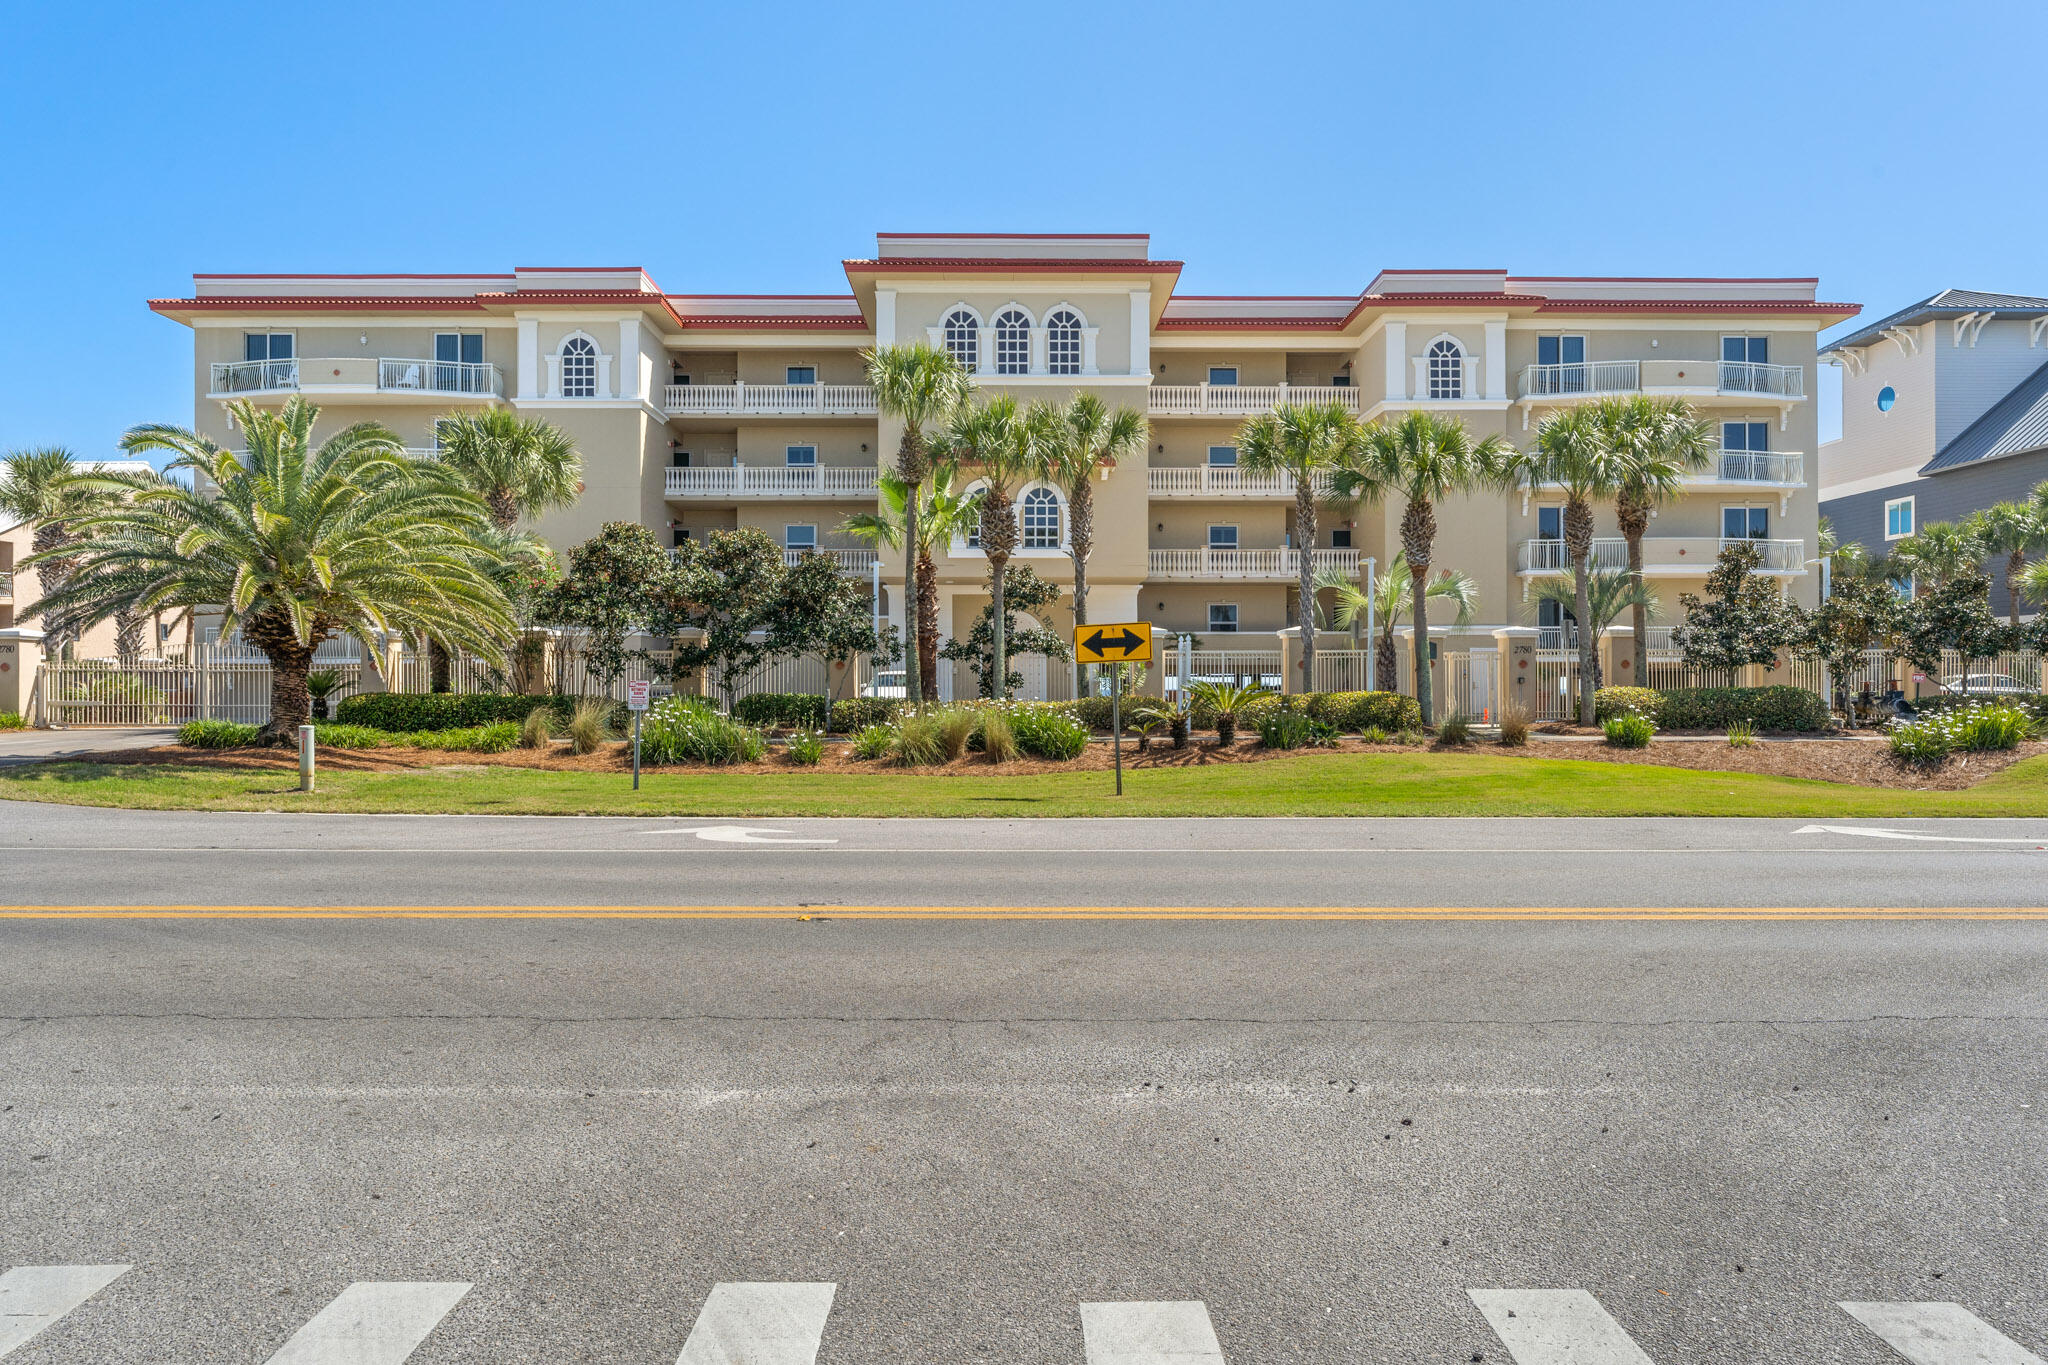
x: 609, y: 593
x: 1955, y: 615
x: 1744, y: 618
x: 1862, y: 613
x: 1025, y: 591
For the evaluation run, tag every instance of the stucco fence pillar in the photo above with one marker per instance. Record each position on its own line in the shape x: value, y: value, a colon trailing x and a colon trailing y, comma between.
x: 1618, y: 657
x: 1293, y: 672
x: 1516, y: 660
x: 1163, y: 646
x: 21, y: 656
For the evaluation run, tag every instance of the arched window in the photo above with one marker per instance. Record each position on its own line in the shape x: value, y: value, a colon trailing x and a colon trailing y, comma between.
x: 1063, y: 343
x: 1040, y: 511
x: 579, y: 368
x: 1013, y: 342
x: 1446, y: 370
x: 963, y: 338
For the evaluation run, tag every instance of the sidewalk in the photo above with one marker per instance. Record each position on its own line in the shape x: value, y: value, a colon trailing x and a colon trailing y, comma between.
x: 33, y: 746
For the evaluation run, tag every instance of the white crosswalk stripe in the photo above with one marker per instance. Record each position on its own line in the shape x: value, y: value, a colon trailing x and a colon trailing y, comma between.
x: 371, y: 1324
x: 1150, y: 1334
x: 1940, y: 1334
x: 34, y: 1296
x: 1556, y: 1327
x: 760, y: 1324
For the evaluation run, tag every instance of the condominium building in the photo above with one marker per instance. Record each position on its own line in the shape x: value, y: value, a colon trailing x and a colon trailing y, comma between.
x: 700, y: 412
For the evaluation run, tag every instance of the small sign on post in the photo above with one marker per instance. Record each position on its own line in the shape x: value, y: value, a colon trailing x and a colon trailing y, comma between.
x: 1125, y: 642
x: 305, y: 758
x: 636, y: 702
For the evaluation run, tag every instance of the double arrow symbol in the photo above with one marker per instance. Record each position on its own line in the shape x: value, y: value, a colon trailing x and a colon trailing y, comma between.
x: 1123, y: 642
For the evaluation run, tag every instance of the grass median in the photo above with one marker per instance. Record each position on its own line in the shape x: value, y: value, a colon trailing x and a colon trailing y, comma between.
x: 1423, y: 783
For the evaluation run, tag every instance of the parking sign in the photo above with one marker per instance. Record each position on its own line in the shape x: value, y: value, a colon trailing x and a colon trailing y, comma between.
x: 636, y: 695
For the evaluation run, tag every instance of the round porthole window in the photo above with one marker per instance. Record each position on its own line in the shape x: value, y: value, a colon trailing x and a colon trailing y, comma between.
x: 1886, y: 396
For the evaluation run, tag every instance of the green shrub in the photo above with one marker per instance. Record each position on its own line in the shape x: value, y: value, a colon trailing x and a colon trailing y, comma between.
x: 2036, y: 707
x: 687, y: 729
x: 1741, y: 734
x: 467, y: 739
x: 334, y: 735
x: 1981, y: 727
x: 1409, y: 737
x: 1227, y: 705
x: 806, y: 748
x: 1048, y: 734
x: 1514, y: 725
x: 996, y: 737
x: 873, y: 741
x: 1373, y: 734
x: 858, y: 713
x: 783, y: 710
x: 1923, y: 740
x: 404, y: 712
x: 1294, y: 730
x: 1628, y: 730
x: 1455, y: 729
x: 1609, y: 702
x: 12, y: 720
x: 1768, y: 708
x: 1994, y: 727
x: 217, y: 734
x: 1351, y: 712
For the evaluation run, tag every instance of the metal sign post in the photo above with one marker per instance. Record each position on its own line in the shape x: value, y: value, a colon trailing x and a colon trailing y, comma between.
x: 636, y: 702
x: 1124, y: 642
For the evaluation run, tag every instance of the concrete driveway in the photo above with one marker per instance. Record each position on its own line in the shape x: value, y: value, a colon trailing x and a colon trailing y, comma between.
x: 33, y: 746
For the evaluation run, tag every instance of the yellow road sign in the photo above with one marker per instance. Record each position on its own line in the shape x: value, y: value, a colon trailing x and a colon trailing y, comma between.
x: 1126, y: 642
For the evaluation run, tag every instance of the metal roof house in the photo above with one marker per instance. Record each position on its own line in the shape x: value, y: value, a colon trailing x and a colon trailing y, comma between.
x: 1944, y: 412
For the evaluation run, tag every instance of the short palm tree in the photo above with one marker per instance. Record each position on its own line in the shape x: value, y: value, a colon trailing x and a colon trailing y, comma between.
x: 2013, y: 531
x: 1939, y: 551
x: 1609, y: 593
x: 1310, y: 442
x: 1660, y: 442
x: 1227, y: 701
x: 1576, y: 456
x: 944, y: 515
x: 920, y: 386
x: 1392, y: 594
x: 995, y: 438
x: 297, y: 544
x: 41, y: 488
x: 1071, y: 444
x: 1425, y: 457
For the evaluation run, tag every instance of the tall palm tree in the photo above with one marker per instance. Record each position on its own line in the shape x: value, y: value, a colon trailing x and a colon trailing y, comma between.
x: 519, y: 467
x: 1425, y: 457
x: 920, y: 386
x: 1660, y: 442
x: 1609, y: 593
x: 995, y: 438
x: 1575, y: 456
x: 1939, y: 551
x: 944, y: 516
x: 1310, y: 442
x: 1071, y: 443
x: 1392, y: 594
x: 297, y: 544
x: 2014, y: 530
x: 40, y: 488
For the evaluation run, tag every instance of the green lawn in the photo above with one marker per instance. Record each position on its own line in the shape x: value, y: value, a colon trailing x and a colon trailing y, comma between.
x: 1348, y: 784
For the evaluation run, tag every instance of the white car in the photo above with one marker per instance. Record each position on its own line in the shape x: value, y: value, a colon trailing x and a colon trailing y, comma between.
x: 889, y: 686
x: 1986, y: 685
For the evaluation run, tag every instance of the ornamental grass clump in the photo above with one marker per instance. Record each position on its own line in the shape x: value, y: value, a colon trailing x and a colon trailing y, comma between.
x: 1629, y: 731
x: 1456, y: 729
x: 956, y: 726
x: 920, y: 741
x: 1741, y: 734
x: 997, y: 738
x: 687, y: 729
x: 806, y: 748
x: 590, y: 725
x: 537, y: 731
x: 1514, y: 725
x: 871, y: 742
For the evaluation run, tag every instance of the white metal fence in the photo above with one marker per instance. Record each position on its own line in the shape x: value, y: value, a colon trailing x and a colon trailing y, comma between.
x: 142, y: 695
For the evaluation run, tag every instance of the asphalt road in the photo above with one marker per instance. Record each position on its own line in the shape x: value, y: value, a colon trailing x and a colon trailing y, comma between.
x: 1329, y: 1134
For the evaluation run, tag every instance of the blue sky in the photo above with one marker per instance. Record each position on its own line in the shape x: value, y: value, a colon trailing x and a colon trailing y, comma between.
x: 735, y: 148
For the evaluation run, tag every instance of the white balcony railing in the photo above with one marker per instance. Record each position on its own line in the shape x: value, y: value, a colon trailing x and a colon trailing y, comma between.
x: 849, y: 561
x: 439, y: 376
x: 1661, y: 555
x: 254, y: 376
x: 1779, y: 381
x: 1566, y: 636
x: 1777, y: 467
x: 780, y: 400
x: 771, y: 481
x: 1241, y: 400
x: 1209, y: 562
x: 1586, y: 378
x: 1216, y: 481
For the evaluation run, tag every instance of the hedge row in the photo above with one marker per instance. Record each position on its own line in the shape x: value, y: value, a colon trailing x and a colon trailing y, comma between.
x: 411, y: 712
x: 1782, y: 707
x: 782, y: 710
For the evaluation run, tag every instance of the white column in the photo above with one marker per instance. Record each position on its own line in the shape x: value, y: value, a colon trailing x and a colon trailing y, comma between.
x: 1141, y: 331
x: 1495, y: 371
x: 604, y: 374
x: 529, y: 357
x: 885, y: 318
x: 1039, y: 362
x: 629, y: 359
x: 1088, y: 335
x: 1397, y: 361
x: 985, y: 353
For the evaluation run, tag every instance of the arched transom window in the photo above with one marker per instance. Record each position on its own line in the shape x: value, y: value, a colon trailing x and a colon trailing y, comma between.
x: 1013, y: 342
x: 579, y: 368
x: 963, y: 338
x: 1063, y: 343
x: 1446, y: 370
x: 1040, y: 511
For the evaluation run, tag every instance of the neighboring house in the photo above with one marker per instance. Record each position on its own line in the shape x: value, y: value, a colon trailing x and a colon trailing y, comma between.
x: 1944, y: 412
x: 701, y: 412
x: 21, y: 589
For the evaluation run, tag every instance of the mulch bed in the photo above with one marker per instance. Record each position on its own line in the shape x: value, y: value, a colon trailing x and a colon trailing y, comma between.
x: 1866, y: 763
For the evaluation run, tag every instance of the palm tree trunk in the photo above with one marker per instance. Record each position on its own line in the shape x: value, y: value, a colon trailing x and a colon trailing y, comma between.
x: 1385, y: 666
x: 503, y: 507
x: 1578, y: 541
x: 440, y: 670
x: 926, y: 663
x: 1418, y: 533
x: 128, y: 629
x: 913, y: 601
x: 1634, y: 516
x: 1305, y: 532
x: 1080, y: 541
x: 291, y: 705
x: 999, y: 679
x: 2015, y: 564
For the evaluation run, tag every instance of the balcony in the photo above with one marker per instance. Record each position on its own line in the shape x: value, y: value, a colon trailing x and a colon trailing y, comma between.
x: 849, y: 561
x: 769, y: 400
x: 1763, y: 468
x: 1601, y: 378
x: 1222, y: 481
x: 363, y: 376
x: 1558, y: 639
x: 1281, y: 565
x: 749, y: 482
x: 1240, y: 400
x: 1663, y: 556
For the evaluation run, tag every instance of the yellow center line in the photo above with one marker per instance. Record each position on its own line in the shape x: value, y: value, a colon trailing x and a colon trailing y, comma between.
x: 1280, y: 913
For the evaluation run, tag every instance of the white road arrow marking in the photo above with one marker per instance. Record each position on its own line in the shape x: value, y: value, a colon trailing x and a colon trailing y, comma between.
x: 1149, y: 1334
x: 741, y: 834
x: 34, y: 1296
x: 1940, y: 1334
x: 760, y: 1324
x: 2037, y: 842
x: 371, y: 1324
x: 1556, y: 1327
